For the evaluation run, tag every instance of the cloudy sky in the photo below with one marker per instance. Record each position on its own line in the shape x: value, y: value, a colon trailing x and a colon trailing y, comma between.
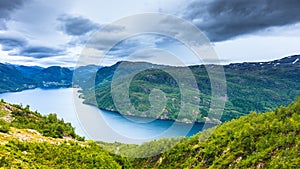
x: 55, y: 32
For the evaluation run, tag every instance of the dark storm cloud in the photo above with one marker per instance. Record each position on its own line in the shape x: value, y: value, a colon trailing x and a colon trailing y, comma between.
x: 226, y: 19
x: 19, y: 46
x: 76, y: 25
x: 40, y: 52
x: 6, y: 8
x: 10, y: 42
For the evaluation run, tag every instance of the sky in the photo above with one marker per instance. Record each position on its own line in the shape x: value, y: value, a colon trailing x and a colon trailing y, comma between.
x: 55, y: 32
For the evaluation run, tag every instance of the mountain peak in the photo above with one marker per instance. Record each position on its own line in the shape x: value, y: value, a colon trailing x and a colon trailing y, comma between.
x: 290, y: 60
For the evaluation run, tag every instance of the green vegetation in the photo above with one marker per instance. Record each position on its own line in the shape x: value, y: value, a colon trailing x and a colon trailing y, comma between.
x: 30, y: 140
x: 17, y: 78
x: 257, y: 87
x: 22, y: 118
x: 250, y: 87
x: 257, y: 140
x: 268, y: 140
x: 12, y: 79
x: 148, y: 149
x: 17, y: 154
x: 4, y: 126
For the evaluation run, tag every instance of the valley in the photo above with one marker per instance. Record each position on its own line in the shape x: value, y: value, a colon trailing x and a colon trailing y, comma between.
x: 257, y: 86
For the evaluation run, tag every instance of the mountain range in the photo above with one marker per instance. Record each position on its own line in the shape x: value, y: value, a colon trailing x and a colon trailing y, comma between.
x: 251, y: 86
x: 19, y: 77
x: 268, y: 139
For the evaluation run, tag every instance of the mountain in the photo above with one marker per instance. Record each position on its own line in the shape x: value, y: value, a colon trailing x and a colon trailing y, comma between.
x: 257, y: 140
x: 18, y: 77
x: 251, y: 86
x: 83, y: 74
x: 290, y: 61
x: 13, y: 80
x: 28, y: 71
x: 54, y: 76
x: 257, y: 86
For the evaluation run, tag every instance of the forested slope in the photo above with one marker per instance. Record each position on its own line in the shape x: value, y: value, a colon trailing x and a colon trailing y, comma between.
x: 257, y: 86
x: 268, y: 140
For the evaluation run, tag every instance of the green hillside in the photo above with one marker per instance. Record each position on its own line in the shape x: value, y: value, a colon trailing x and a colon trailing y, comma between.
x: 30, y: 140
x: 257, y: 86
x: 250, y: 87
x: 268, y: 140
x: 13, y: 80
x: 17, y: 78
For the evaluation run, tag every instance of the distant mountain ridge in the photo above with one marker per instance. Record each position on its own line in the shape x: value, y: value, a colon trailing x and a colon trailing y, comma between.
x: 18, y: 77
x: 13, y: 80
x: 293, y: 60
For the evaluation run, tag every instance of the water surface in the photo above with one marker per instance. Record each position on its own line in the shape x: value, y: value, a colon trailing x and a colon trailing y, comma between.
x: 94, y: 123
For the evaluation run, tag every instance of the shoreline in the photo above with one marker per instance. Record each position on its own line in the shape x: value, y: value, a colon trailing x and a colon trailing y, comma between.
x: 107, y: 110
x: 164, y: 119
x: 37, y: 87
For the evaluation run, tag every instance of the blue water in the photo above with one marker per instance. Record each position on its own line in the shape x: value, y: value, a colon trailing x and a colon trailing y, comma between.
x: 97, y: 124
